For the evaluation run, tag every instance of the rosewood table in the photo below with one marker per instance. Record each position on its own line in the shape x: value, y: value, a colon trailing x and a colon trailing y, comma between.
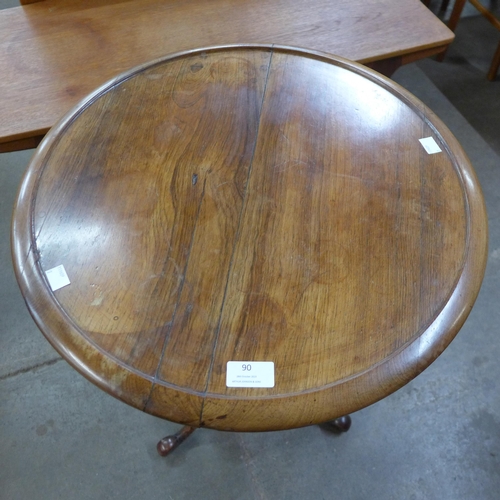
x: 250, y: 238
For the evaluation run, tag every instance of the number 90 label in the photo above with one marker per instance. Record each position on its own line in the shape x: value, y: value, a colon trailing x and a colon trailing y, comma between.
x: 250, y: 374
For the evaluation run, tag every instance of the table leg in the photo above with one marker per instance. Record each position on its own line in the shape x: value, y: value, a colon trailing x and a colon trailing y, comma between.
x: 452, y: 23
x: 387, y: 66
x: 341, y: 424
x: 170, y: 443
x: 495, y: 64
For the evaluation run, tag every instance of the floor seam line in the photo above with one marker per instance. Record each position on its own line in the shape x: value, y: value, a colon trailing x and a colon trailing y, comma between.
x: 30, y: 368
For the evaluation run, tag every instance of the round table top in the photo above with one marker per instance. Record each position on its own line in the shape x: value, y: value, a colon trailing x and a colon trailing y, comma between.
x: 263, y: 205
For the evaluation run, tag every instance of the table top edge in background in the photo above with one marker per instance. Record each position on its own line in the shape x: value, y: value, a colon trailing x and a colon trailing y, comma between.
x: 54, y: 52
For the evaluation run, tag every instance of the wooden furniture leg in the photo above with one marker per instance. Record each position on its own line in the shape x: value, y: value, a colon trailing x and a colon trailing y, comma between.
x: 442, y: 9
x: 452, y: 23
x: 496, y: 23
x: 495, y: 64
x: 455, y: 14
x: 339, y: 425
x: 170, y: 443
x: 444, y: 6
x: 387, y: 67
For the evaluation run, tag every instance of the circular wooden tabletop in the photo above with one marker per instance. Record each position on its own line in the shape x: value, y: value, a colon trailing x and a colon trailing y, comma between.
x: 250, y: 204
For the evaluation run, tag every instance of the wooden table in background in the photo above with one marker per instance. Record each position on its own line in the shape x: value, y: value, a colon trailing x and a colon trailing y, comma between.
x: 55, y: 52
x: 250, y: 204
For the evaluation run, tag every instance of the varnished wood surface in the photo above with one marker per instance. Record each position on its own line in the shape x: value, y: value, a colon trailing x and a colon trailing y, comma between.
x: 250, y: 204
x: 53, y: 53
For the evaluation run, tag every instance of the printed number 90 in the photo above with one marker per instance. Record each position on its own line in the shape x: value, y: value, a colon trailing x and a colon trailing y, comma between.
x: 246, y: 368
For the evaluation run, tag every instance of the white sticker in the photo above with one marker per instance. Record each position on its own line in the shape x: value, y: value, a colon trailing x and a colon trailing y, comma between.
x: 57, y: 277
x: 250, y: 374
x: 430, y: 145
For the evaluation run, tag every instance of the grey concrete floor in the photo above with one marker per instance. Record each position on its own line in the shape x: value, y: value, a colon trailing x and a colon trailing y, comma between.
x: 436, y: 438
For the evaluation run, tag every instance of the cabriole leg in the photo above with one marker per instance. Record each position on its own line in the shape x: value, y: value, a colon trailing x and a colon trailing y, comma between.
x: 170, y: 443
x: 341, y: 424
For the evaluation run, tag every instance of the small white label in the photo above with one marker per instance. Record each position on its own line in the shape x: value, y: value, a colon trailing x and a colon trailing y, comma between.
x: 430, y: 145
x: 57, y: 277
x: 250, y: 374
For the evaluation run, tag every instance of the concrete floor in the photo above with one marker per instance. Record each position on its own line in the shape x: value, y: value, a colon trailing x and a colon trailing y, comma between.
x: 436, y: 438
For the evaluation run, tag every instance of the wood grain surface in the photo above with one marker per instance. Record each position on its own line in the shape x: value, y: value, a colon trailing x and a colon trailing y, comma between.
x: 53, y: 53
x: 250, y: 203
